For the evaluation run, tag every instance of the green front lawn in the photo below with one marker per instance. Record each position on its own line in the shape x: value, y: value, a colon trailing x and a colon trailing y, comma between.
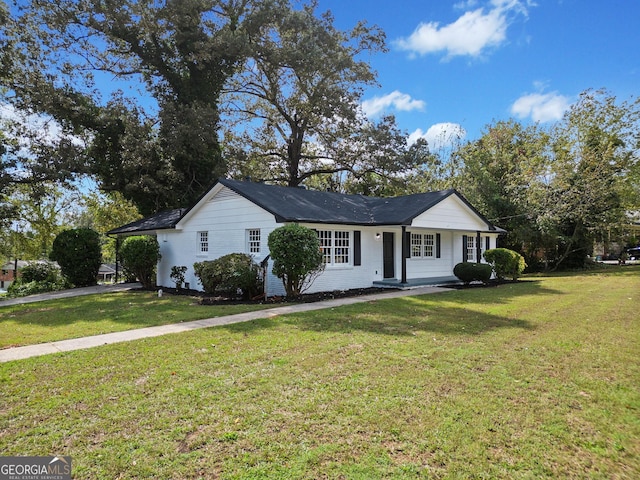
x: 106, y: 313
x: 539, y: 379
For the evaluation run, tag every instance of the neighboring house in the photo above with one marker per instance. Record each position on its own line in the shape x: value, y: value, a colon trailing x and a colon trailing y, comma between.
x: 610, y: 250
x: 107, y: 273
x: 366, y: 241
x: 7, y: 274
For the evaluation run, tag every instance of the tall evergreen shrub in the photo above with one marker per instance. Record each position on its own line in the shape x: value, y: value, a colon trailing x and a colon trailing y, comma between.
x: 139, y: 256
x: 79, y: 253
x: 297, y: 258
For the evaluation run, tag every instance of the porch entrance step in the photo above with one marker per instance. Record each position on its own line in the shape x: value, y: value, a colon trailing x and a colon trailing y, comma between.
x: 416, y: 282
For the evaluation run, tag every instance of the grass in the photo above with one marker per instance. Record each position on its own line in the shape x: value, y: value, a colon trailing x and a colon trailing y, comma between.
x: 538, y: 379
x: 96, y: 314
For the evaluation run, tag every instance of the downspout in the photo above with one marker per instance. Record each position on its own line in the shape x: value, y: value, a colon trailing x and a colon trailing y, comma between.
x: 404, y: 255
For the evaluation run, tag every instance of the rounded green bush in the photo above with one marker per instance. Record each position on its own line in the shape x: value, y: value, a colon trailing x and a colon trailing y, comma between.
x: 296, y: 255
x: 37, y: 277
x: 139, y: 256
x: 506, y: 263
x: 40, y: 272
x: 469, y: 272
x: 79, y: 254
x: 230, y: 273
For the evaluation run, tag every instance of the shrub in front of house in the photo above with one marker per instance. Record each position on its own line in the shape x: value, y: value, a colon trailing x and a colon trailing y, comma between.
x: 229, y: 274
x: 297, y: 258
x: 139, y: 256
x: 506, y: 263
x: 206, y: 273
x: 178, y: 275
x: 79, y: 254
x: 469, y: 272
x: 36, y: 278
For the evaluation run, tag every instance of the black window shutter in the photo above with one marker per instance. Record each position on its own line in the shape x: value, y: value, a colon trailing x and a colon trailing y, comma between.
x: 407, y: 244
x: 357, y: 248
x: 487, y: 243
x: 464, y: 249
x: 438, y: 253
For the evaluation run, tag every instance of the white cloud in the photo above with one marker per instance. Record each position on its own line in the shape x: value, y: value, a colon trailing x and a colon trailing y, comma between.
x: 440, y: 135
x: 541, y: 107
x: 397, y: 100
x: 465, y: 4
x: 470, y: 35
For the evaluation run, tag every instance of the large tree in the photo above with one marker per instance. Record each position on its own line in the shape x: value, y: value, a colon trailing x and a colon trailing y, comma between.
x: 295, y: 105
x: 180, y: 54
x: 557, y: 191
x: 590, y: 193
x: 499, y: 172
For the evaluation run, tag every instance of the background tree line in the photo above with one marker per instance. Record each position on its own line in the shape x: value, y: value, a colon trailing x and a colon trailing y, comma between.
x: 271, y: 90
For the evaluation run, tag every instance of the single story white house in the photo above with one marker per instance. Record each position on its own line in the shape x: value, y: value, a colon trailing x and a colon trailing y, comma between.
x: 366, y: 241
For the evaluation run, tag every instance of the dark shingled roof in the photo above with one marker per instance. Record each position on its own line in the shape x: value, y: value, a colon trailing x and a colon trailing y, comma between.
x: 291, y: 204
x: 159, y: 221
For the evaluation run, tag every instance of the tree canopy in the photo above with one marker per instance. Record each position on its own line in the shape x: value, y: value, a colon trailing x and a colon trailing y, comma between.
x: 559, y: 190
x: 300, y: 90
x: 181, y: 53
x: 292, y: 87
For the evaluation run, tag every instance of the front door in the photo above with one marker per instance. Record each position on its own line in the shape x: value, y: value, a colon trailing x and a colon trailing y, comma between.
x: 388, y: 255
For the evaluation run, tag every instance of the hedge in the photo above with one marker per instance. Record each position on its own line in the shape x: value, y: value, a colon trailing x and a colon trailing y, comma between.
x: 469, y: 272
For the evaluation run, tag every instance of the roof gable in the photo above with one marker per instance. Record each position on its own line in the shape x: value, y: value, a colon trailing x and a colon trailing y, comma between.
x: 449, y: 214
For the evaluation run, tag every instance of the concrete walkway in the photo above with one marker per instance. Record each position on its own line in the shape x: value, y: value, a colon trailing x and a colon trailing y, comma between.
x: 72, y: 292
x: 19, y: 353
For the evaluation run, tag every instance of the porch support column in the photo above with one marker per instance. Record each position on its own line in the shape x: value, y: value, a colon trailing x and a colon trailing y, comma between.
x: 478, y: 247
x: 405, y: 254
x: 117, y: 258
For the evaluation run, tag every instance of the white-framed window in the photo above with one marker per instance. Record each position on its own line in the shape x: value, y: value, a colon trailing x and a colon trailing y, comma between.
x: 335, y: 246
x: 423, y: 245
x: 341, y: 247
x: 471, y: 249
x: 253, y: 240
x: 325, y: 237
x: 203, y: 242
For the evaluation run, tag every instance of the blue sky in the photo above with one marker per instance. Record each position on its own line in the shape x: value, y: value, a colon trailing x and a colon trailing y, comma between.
x: 455, y: 66
x: 460, y: 65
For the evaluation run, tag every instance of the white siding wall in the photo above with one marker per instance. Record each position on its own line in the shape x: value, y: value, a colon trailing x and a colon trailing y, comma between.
x: 226, y: 217
x: 350, y: 276
x: 432, y: 266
